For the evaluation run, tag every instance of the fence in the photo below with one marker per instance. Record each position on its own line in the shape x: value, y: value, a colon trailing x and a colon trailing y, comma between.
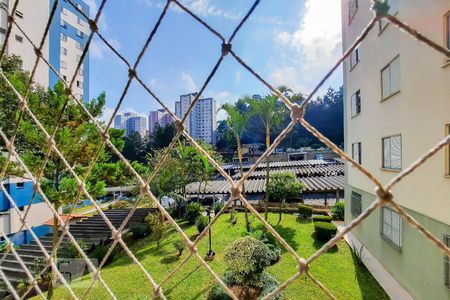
x: 383, y: 192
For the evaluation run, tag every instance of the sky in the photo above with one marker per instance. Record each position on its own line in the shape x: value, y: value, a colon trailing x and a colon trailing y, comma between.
x: 289, y: 42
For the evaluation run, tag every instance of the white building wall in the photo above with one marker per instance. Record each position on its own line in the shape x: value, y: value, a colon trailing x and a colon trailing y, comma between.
x: 38, y: 214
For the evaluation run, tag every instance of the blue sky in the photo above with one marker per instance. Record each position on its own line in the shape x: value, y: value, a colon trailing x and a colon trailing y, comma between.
x: 286, y: 41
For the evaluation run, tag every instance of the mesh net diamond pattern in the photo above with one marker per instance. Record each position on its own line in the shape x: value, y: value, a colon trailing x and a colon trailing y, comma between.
x: 383, y: 192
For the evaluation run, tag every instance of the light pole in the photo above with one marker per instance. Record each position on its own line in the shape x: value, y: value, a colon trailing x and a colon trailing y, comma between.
x: 209, y: 213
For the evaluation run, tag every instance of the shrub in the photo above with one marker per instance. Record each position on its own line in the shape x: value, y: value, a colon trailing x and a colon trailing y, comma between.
x: 324, y: 231
x: 179, y: 246
x: 157, y: 227
x: 140, y: 231
x: 99, y: 253
x: 233, y: 217
x: 121, y: 204
x: 193, y: 210
x: 246, y: 258
x: 152, y: 219
x: 327, y: 219
x: 68, y: 250
x: 305, y: 211
x: 217, y: 207
x: 338, y: 210
x: 201, y: 223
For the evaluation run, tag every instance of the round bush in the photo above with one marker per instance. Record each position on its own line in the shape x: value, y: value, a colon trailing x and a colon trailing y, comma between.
x: 217, y: 207
x: 325, y: 231
x: 327, y: 219
x: 121, y: 204
x: 201, y: 223
x: 193, y: 210
x: 140, y: 231
x: 305, y: 211
x: 338, y: 210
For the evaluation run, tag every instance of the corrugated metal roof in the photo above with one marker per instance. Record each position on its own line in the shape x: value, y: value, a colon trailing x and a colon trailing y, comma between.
x: 307, y: 171
x: 256, y: 186
x: 279, y: 164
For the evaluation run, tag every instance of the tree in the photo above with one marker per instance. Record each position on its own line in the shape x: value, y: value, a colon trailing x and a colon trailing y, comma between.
x: 161, y: 137
x: 237, y: 120
x: 271, y: 113
x: 134, y: 149
x: 283, y: 185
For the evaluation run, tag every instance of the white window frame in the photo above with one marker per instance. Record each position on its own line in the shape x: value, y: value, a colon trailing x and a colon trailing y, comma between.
x: 356, y: 204
x: 392, y: 227
x: 390, y: 77
x: 387, y: 150
x: 354, y: 58
x: 355, y: 103
x: 63, y: 65
x: 63, y: 37
x: 64, y: 11
x: 80, y: 33
x: 356, y: 152
x: 78, y: 45
x: 393, y: 11
x: 64, y: 51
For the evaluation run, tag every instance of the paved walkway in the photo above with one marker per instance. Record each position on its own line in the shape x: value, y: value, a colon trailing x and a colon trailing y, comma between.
x: 384, y: 278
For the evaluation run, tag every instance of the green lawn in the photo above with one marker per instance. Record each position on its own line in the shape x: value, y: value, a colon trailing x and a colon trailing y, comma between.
x: 335, y: 269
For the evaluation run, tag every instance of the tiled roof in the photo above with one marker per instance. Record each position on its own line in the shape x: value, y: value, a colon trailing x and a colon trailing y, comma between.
x: 307, y: 171
x: 256, y: 186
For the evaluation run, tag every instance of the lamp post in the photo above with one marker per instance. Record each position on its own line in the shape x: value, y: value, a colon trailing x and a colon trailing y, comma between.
x: 209, y: 213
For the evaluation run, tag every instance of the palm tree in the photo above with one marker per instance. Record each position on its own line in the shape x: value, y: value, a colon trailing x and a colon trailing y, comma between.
x: 237, y: 120
x: 271, y: 113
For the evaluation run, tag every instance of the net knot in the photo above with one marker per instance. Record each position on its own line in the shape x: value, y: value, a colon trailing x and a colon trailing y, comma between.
x: 192, y: 247
x: 105, y: 136
x: 157, y: 290
x: 179, y: 125
x: 297, y: 112
x: 116, y: 235
x: 93, y: 25
x: 50, y: 141
x: 226, y: 48
x: 131, y: 73
x: 381, y: 8
x: 68, y: 91
x: 235, y: 191
x: 80, y: 186
x: 385, y: 196
x: 36, y: 187
x: 9, y: 146
x: 21, y: 104
x: 37, y: 51
x: 303, y: 265
x: 11, y: 19
x: 144, y: 188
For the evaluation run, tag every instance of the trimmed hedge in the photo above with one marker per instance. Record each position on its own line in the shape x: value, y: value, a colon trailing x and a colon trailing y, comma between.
x: 305, y: 211
x: 327, y: 219
x: 325, y: 231
x: 338, y: 210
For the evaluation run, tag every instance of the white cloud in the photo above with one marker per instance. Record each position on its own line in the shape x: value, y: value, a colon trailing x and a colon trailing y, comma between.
x: 189, y: 84
x: 237, y: 77
x: 314, y: 46
x: 99, y: 50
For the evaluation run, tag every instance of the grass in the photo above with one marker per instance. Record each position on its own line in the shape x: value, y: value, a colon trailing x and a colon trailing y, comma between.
x: 336, y: 269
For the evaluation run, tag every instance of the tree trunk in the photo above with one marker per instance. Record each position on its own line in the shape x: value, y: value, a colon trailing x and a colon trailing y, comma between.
x: 52, y: 282
x: 247, y: 223
x: 266, y: 199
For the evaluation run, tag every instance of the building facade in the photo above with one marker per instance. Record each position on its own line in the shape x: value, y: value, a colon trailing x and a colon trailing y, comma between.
x: 201, y: 123
x: 22, y: 192
x: 160, y: 117
x: 397, y: 106
x: 131, y: 122
x: 64, y: 45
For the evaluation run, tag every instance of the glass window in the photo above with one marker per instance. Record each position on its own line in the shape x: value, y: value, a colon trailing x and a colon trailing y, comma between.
x: 356, y: 152
x: 80, y: 33
x: 356, y: 103
x: 392, y: 227
x: 390, y: 78
x: 63, y: 37
x: 19, y: 38
x: 63, y: 51
x: 352, y: 9
x: 20, y: 185
x: 392, y: 152
x: 354, y: 58
x: 63, y: 65
x: 356, y: 203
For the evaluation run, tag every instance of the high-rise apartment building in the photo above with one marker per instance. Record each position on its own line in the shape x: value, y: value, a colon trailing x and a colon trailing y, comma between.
x: 397, y: 106
x: 201, y: 123
x: 131, y: 122
x: 64, y: 45
x: 160, y: 117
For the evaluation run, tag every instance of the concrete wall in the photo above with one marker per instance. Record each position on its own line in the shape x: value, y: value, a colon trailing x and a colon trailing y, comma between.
x: 419, y: 265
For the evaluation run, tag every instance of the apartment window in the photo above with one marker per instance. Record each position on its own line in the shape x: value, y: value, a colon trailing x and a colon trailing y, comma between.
x: 20, y: 185
x: 79, y: 33
x: 19, y: 14
x: 447, y: 29
x: 352, y: 9
x: 447, y: 151
x: 392, y: 227
x: 63, y: 51
x: 19, y: 38
x: 354, y: 58
x: 78, y: 45
x: 63, y: 37
x: 63, y: 24
x: 356, y: 103
x: 80, y: 21
x: 78, y: 58
x: 64, y: 77
x: 356, y: 152
x: 2, y: 30
x: 393, y: 10
x: 447, y: 263
x: 392, y: 152
x: 64, y: 11
x: 63, y: 65
x: 356, y: 204
x: 390, y: 78
x: 79, y: 84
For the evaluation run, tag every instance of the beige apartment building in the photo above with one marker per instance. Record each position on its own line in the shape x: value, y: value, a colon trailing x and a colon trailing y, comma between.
x: 397, y: 106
